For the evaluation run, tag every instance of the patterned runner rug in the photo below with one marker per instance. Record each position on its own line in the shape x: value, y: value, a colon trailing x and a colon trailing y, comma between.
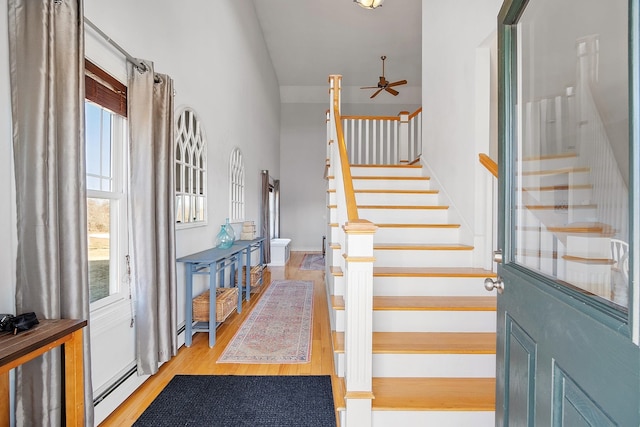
x: 312, y: 262
x: 278, y: 330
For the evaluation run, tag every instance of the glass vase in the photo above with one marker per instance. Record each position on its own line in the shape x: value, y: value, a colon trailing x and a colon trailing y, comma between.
x: 229, y: 229
x: 223, y: 239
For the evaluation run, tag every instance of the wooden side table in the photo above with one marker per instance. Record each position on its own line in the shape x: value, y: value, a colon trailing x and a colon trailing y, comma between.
x: 48, y: 334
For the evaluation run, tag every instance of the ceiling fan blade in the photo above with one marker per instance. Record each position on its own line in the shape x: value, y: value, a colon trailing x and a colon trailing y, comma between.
x: 370, y: 87
x: 398, y: 83
x: 376, y: 92
x: 392, y: 91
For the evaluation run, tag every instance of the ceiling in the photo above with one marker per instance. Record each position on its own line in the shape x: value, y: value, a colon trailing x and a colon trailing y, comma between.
x: 310, y: 39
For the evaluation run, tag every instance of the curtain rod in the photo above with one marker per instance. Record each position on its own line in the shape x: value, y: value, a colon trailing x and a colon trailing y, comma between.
x: 136, y: 62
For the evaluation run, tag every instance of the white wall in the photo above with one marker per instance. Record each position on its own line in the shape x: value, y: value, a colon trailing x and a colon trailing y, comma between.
x: 217, y: 57
x: 303, y: 150
x: 451, y: 32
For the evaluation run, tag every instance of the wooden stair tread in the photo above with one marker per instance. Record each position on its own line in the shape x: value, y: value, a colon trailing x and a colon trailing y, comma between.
x: 336, y: 271
x: 591, y: 261
x: 434, y: 394
x: 432, y: 272
x: 422, y: 246
x: 596, y: 228
x: 415, y: 207
x: 418, y: 225
x: 561, y: 187
x: 339, y: 390
x: 398, y: 166
x: 393, y: 178
x: 560, y: 207
x: 426, y: 303
x: 426, y: 342
x: 557, y: 171
x: 397, y: 191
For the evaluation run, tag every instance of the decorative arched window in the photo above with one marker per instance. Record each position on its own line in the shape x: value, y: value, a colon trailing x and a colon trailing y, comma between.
x: 236, y: 186
x: 191, y: 169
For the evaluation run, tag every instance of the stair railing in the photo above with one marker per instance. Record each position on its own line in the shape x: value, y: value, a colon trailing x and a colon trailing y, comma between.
x: 594, y: 148
x: 384, y: 140
x: 355, y: 237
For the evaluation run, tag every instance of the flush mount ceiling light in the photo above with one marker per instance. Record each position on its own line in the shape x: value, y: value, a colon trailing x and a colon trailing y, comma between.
x: 369, y: 4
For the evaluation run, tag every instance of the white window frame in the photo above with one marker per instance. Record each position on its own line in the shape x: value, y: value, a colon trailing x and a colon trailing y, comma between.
x: 236, y: 186
x: 118, y: 246
x: 190, y: 137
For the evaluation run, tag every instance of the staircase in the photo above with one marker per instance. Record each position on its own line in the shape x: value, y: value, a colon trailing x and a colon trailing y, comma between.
x: 434, y: 323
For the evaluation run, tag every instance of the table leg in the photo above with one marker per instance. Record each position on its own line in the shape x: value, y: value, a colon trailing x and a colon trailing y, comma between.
x: 188, y: 311
x: 212, y: 303
x: 4, y: 400
x: 74, y: 380
x: 248, y: 276
x: 240, y: 279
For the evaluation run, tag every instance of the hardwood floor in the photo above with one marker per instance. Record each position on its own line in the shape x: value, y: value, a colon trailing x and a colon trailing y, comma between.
x: 199, y: 359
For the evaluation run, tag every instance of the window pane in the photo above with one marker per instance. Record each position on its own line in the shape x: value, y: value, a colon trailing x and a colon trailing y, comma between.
x: 99, y: 234
x: 190, y: 168
x: 98, y: 129
x: 571, y: 199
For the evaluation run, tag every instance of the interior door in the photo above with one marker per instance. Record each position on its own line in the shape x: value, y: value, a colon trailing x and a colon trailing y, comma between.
x: 567, y: 309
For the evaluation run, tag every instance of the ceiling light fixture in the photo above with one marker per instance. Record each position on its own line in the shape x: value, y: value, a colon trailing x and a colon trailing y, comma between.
x: 369, y: 4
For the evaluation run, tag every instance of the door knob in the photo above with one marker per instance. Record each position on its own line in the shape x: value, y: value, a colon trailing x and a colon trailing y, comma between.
x: 491, y: 284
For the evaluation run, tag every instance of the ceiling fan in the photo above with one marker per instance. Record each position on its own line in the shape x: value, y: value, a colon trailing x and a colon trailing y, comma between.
x: 384, y: 84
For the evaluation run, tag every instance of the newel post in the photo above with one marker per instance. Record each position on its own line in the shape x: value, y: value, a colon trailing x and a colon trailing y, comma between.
x: 403, y: 137
x: 358, y: 321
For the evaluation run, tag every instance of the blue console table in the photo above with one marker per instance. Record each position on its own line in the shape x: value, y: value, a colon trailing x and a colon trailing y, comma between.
x: 214, y: 262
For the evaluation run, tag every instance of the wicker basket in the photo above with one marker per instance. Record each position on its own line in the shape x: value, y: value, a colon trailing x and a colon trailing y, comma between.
x: 226, y: 302
x: 256, y: 275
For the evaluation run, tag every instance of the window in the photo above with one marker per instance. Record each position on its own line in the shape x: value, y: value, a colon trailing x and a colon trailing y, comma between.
x: 105, y: 138
x: 191, y: 170
x: 236, y: 184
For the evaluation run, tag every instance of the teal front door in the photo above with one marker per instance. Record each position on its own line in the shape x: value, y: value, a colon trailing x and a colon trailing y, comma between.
x: 567, y: 351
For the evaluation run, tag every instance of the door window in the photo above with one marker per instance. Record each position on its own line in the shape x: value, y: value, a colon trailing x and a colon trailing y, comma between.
x: 570, y: 199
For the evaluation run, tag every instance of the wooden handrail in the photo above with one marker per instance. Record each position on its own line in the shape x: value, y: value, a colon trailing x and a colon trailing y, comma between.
x: 415, y: 113
x: 371, y: 117
x: 489, y: 163
x: 349, y: 194
x: 411, y: 116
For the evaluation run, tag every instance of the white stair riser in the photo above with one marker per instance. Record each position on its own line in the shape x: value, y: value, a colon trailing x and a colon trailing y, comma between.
x: 391, y: 184
x: 423, y: 258
x: 338, y: 286
x: 385, y: 171
x: 574, y: 196
x: 335, y: 232
x: 331, y: 198
x: 405, y: 216
x: 433, y: 418
x: 416, y: 235
x: 397, y: 199
x: 427, y: 286
x: 550, y: 163
x: 434, y: 365
x: 559, y: 217
x: 428, y: 321
x: 428, y: 365
x: 543, y: 180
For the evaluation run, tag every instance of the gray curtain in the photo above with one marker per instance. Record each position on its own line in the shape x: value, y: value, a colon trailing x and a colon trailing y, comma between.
x: 152, y: 224
x: 46, y: 52
x: 265, y: 217
x: 276, y: 198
